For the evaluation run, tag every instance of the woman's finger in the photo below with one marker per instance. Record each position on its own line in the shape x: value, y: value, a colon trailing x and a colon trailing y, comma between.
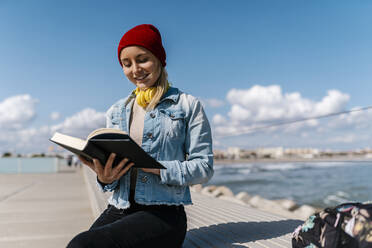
x: 109, y: 162
x: 122, y: 163
x: 98, y: 167
x: 84, y: 161
x: 90, y: 166
x: 123, y: 171
x: 154, y: 171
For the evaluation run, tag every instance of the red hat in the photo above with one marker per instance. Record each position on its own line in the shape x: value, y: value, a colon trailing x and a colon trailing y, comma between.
x: 144, y: 35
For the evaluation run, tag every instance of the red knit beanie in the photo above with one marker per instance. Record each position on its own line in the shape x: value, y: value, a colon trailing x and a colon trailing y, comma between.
x: 144, y: 35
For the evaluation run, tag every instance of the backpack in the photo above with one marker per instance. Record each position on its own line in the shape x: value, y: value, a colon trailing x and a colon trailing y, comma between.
x: 347, y: 225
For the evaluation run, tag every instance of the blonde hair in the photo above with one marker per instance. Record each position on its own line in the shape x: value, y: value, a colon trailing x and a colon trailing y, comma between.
x: 161, y: 88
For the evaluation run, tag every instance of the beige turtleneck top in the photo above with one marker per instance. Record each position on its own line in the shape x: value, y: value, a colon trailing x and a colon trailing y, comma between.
x: 136, y: 132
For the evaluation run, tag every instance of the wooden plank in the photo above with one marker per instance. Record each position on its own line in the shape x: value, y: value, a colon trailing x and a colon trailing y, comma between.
x: 213, y: 222
x: 221, y: 223
x: 226, y: 218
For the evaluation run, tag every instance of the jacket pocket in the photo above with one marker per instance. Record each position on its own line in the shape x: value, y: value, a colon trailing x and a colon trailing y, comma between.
x: 175, y: 124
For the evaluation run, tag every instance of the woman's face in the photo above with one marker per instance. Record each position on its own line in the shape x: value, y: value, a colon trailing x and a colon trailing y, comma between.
x: 140, y: 66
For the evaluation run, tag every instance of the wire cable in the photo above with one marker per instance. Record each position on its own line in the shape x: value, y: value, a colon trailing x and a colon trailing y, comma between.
x: 253, y: 129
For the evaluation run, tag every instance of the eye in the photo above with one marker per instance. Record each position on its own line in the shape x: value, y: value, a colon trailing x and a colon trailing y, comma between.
x: 142, y: 60
x: 126, y: 64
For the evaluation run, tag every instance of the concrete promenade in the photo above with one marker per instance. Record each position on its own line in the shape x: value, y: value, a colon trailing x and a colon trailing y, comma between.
x: 43, y: 210
x: 47, y: 210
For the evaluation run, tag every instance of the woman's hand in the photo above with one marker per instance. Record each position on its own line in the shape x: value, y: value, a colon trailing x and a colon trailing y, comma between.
x: 108, y: 174
x: 154, y: 171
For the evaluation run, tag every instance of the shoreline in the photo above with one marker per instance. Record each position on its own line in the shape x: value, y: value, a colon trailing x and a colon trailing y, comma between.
x: 290, y: 160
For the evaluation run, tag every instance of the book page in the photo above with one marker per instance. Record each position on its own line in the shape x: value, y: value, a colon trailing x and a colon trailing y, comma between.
x: 67, y: 140
x: 105, y: 130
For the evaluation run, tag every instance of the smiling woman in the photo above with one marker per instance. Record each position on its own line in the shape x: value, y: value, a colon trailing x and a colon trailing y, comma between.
x: 140, y: 66
x: 146, y: 208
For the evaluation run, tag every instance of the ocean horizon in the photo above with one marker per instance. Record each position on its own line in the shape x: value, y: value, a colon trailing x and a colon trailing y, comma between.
x: 29, y: 165
x: 319, y: 184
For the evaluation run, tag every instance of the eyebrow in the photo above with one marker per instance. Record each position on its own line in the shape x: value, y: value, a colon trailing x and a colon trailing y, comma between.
x: 139, y: 55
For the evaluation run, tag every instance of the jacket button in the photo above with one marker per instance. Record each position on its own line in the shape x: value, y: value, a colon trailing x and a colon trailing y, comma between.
x: 149, y: 135
x: 152, y: 115
x: 144, y: 179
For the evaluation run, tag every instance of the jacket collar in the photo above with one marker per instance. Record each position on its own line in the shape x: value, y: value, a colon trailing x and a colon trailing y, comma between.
x: 172, y: 94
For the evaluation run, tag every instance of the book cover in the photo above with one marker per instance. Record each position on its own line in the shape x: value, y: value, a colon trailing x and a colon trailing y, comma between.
x: 102, y: 142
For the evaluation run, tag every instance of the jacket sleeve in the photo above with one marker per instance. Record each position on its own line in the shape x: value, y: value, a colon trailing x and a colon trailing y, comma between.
x: 114, y: 184
x: 107, y: 187
x: 198, y: 168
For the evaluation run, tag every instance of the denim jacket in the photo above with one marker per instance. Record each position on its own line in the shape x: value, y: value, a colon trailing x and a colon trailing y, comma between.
x: 178, y: 135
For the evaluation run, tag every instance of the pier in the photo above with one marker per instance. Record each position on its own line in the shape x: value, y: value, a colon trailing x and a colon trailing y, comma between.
x: 43, y: 210
x: 212, y: 222
x: 47, y: 210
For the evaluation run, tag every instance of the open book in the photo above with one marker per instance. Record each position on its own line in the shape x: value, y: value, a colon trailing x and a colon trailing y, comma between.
x: 102, y: 142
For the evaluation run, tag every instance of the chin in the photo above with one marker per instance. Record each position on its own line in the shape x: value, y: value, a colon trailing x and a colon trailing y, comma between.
x: 144, y: 86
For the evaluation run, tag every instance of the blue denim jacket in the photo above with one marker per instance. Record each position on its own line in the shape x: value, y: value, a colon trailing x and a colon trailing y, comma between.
x: 177, y: 134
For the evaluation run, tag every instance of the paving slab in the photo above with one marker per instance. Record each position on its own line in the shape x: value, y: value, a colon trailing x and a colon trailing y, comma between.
x: 43, y: 210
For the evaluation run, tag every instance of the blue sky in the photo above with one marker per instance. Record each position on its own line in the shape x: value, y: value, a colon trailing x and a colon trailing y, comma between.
x: 62, y: 57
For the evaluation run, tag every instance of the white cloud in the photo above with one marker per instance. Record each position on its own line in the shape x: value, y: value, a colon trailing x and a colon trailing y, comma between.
x: 81, y: 123
x: 213, y: 102
x: 17, y: 111
x: 262, y: 105
x: 348, y: 138
x: 37, y: 139
x: 55, y: 116
x: 218, y: 119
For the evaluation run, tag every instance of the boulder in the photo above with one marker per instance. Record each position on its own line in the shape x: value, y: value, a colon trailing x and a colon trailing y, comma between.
x: 231, y: 199
x: 207, y: 190
x: 196, y: 188
x: 243, y: 196
x: 270, y: 206
x: 257, y: 201
x: 222, y: 191
x: 304, y: 211
x: 287, y: 204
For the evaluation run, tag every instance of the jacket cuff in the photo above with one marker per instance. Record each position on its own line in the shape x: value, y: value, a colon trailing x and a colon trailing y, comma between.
x: 106, y: 187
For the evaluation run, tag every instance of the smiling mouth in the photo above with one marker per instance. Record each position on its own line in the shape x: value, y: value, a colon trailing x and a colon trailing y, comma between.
x: 141, y: 77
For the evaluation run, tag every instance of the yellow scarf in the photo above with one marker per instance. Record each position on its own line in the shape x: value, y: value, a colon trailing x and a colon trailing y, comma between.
x: 144, y: 97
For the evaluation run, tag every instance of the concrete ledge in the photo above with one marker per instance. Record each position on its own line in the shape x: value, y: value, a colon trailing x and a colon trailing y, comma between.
x: 213, y: 222
x: 98, y: 200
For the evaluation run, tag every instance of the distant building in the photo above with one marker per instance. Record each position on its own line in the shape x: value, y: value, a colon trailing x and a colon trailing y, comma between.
x: 218, y: 154
x: 302, y: 152
x: 270, y: 152
x: 234, y: 152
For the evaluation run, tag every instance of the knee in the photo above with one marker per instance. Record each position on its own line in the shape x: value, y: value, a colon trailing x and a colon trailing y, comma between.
x: 79, y: 241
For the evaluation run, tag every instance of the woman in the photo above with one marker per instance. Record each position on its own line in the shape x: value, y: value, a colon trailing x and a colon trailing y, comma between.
x: 146, y: 208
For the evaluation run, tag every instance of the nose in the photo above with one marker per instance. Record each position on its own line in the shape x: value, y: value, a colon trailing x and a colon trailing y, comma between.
x: 136, y: 68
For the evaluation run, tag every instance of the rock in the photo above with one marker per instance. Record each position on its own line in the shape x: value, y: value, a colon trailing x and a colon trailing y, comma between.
x: 270, y: 206
x: 207, y: 190
x: 304, y: 211
x: 243, y: 196
x: 257, y: 201
x: 222, y: 191
x: 231, y: 199
x: 196, y: 188
x: 287, y: 204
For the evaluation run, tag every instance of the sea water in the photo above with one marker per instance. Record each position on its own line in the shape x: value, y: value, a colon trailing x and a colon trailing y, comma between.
x: 318, y: 184
x: 28, y: 165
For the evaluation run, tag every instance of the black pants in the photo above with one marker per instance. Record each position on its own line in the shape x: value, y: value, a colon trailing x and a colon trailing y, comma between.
x: 139, y: 226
